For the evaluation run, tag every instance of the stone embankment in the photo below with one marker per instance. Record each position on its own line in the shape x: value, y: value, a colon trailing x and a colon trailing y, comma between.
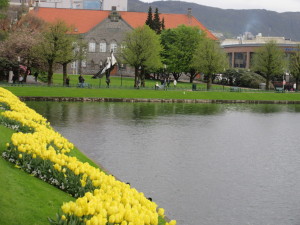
x: 84, y: 99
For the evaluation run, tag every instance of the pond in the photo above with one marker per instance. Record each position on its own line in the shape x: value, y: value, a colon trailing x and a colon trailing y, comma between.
x: 210, y: 164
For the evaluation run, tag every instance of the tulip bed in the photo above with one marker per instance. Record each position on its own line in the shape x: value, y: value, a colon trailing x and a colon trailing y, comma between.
x: 39, y: 150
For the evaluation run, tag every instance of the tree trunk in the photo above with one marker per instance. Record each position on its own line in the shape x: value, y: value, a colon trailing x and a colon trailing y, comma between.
x: 268, y: 82
x: 50, y: 72
x: 176, y: 76
x: 64, y: 73
x: 136, y: 74
x: 192, y: 75
x: 143, y: 77
x: 209, y: 81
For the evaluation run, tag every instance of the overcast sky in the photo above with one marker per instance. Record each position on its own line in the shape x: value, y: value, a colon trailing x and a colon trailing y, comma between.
x: 274, y: 5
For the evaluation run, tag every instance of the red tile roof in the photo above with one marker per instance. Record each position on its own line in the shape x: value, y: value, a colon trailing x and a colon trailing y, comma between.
x: 85, y: 20
x: 136, y: 19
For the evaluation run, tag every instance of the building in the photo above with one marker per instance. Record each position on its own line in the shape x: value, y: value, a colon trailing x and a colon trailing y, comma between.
x: 104, y: 31
x: 121, y: 5
x: 240, y: 51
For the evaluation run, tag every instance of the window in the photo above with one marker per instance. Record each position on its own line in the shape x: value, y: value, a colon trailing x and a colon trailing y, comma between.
x: 92, y: 46
x: 102, y: 46
x: 113, y: 46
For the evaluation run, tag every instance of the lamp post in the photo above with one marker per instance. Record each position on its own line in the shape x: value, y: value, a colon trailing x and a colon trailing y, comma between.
x: 121, y: 71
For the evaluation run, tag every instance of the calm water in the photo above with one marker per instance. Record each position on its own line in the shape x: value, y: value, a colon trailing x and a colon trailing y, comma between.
x: 206, y: 164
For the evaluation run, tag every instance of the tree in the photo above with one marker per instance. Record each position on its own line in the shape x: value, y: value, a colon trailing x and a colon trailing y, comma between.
x: 149, y: 20
x: 179, y: 47
x: 3, y: 4
x: 73, y: 50
x: 142, y: 51
x: 209, y: 59
x: 153, y: 21
x: 156, y: 22
x: 163, y: 24
x: 55, y: 45
x: 295, y: 66
x: 269, y: 62
x: 18, y: 48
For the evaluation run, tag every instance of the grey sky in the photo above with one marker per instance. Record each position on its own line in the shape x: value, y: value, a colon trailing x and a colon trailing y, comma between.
x: 274, y: 5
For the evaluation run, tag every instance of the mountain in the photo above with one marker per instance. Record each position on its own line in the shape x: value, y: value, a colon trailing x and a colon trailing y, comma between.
x: 229, y: 21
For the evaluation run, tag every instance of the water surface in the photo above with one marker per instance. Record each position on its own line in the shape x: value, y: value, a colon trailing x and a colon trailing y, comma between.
x: 206, y: 164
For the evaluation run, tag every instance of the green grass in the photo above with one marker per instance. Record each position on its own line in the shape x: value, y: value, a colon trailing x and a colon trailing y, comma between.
x: 25, y: 199
x: 148, y: 94
x: 116, y: 81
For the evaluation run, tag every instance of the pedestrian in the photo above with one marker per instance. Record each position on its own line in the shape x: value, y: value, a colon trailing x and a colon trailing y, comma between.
x: 156, y: 86
x: 81, y: 81
x: 175, y: 83
x: 68, y: 81
x: 36, y: 74
x: 20, y: 79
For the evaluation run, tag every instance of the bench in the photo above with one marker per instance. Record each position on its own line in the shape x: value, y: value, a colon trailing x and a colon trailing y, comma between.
x: 279, y: 90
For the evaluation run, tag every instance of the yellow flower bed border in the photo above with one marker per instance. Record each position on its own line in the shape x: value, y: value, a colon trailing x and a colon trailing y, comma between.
x: 43, y: 152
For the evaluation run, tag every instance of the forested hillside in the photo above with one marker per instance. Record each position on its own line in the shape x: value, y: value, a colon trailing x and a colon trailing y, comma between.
x: 229, y: 21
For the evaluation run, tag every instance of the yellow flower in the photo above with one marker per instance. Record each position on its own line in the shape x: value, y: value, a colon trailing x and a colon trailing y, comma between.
x: 172, y: 222
x: 161, y: 212
x: 63, y: 217
x: 20, y: 156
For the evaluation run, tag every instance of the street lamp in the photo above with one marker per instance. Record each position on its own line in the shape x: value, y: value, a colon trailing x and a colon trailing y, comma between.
x: 121, y: 71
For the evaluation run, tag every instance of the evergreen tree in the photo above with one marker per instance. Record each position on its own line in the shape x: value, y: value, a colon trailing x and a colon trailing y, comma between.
x: 149, y: 20
x: 163, y: 24
x: 156, y: 22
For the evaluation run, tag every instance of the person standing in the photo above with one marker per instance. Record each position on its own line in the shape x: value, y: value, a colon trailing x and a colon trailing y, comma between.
x: 81, y: 81
x: 20, y: 79
x: 68, y: 81
x: 36, y: 74
x: 175, y: 83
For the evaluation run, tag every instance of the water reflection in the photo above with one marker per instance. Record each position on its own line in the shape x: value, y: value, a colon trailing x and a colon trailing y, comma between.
x: 209, y: 164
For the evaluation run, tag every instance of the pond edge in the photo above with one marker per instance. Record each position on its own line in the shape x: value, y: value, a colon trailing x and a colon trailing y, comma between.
x: 85, y: 99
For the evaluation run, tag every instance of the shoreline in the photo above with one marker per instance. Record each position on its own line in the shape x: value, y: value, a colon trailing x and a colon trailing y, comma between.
x: 132, y: 100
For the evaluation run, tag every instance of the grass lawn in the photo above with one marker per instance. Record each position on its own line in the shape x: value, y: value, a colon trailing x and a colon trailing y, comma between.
x: 25, y: 199
x: 116, y: 81
x: 144, y: 93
